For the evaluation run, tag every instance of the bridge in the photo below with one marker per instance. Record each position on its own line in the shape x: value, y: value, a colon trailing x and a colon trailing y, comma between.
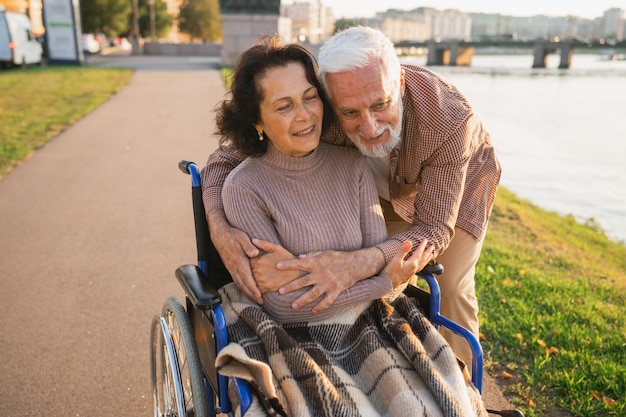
x: 459, y: 53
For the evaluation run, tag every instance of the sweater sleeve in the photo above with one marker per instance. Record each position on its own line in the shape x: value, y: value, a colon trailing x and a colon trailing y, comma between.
x: 223, y: 160
x: 246, y: 210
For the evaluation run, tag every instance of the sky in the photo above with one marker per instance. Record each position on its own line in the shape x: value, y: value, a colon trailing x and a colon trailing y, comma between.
x: 589, y: 9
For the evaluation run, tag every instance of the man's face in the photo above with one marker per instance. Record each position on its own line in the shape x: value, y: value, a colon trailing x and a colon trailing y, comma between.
x: 369, y: 108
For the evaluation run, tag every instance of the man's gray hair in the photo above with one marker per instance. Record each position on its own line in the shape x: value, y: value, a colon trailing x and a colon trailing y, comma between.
x: 357, y: 47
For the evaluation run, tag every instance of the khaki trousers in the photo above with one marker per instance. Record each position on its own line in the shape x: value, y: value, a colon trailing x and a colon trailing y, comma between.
x: 458, y: 295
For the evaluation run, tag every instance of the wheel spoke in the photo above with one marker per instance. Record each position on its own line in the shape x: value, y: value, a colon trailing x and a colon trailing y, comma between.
x: 190, y: 375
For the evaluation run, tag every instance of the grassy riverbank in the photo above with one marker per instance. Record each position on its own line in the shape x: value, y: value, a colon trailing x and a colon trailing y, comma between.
x: 552, y: 291
x: 37, y: 104
x: 552, y: 294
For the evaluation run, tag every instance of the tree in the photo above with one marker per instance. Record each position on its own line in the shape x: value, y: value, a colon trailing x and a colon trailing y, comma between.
x: 107, y: 16
x: 200, y: 19
x: 344, y: 23
x: 162, y: 19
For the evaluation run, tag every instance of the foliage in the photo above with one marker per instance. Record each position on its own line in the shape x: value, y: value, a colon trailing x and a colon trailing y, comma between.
x: 200, y: 19
x: 552, y: 295
x: 345, y: 23
x: 105, y: 16
x: 38, y: 103
x: 162, y: 18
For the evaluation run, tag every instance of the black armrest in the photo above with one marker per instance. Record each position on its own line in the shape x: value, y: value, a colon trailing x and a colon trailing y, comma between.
x: 197, y: 287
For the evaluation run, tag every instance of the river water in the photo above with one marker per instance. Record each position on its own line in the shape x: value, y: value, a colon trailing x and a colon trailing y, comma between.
x: 560, y: 134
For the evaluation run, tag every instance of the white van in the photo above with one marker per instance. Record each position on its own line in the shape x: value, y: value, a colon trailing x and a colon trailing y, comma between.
x: 18, y: 45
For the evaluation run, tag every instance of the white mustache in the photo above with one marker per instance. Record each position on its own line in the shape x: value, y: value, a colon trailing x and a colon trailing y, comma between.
x: 379, y: 131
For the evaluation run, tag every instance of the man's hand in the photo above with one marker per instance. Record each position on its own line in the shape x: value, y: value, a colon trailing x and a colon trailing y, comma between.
x: 235, y: 249
x: 266, y: 275
x: 400, y: 270
x: 329, y: 273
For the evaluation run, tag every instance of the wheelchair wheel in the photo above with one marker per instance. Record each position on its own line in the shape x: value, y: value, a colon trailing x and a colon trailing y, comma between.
x: 177, y: 380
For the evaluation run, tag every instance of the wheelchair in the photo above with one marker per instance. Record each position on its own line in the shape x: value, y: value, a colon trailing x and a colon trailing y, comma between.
x: 185, y: 339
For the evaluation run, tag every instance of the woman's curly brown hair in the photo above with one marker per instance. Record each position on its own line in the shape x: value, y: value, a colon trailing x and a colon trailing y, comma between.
x: 236, y: 117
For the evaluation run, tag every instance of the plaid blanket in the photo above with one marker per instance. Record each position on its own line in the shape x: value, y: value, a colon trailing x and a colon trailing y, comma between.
x: 386, y: 361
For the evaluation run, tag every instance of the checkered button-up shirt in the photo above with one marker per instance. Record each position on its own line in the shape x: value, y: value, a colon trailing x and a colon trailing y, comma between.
x: 444, y: 173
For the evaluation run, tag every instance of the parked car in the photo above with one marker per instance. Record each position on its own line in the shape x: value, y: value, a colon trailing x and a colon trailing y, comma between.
x: 90, y: 43
x: 102, y: 40
x: 18, y: 45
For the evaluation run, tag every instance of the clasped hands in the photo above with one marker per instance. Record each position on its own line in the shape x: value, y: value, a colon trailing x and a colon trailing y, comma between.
x: 259, y: 266
x: 327, y: 273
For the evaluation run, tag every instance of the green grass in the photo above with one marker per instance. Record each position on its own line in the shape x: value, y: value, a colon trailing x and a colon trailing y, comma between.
x: 227, y: 76
x: 551, y: 291
x: 552, y: 295
x: 37, y: 104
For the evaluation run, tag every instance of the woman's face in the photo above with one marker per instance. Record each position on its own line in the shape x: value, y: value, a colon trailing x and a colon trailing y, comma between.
x: 291, y: 110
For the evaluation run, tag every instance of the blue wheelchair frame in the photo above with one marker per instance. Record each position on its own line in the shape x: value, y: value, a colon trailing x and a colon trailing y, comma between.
x: 202, y: 298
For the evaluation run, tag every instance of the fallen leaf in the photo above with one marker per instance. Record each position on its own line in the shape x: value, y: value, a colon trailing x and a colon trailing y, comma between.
x: 519, y: 336
x: 541, y: 343
x: 503, y: 301
x: 553, y: 349
x: 608, y: 401
x: 490, y: 270
x: 595, y: 395
x: 506, y: 375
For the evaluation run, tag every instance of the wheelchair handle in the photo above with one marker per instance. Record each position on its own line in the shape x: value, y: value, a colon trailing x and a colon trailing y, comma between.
x: 184, y: 166
x: 432, y: 267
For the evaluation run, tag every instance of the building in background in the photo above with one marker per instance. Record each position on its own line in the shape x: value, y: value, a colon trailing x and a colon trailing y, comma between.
x: 311, y: 21
x: 450, y: 24
x: 402, y: 25
x: 613, y: 24
x: 610, y: 26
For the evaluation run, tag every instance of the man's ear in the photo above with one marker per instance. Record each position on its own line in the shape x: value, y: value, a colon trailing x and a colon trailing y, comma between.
x: 402, y: 82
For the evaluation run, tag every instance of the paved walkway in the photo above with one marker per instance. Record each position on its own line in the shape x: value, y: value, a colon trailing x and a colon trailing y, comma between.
x: 92, y: 228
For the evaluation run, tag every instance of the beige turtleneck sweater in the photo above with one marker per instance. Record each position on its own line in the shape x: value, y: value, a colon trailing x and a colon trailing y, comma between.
x: 324, y: 201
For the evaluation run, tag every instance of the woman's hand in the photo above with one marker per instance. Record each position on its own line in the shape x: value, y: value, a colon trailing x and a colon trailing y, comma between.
x: 328, y: 273
x: 267, y: 276
x: 401, y: 270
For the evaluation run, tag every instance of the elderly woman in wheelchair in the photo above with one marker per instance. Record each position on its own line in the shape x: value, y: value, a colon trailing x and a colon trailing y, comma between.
x: 373, y: 352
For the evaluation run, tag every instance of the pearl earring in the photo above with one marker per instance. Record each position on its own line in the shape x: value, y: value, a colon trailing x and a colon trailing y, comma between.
x: 261, y: 136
